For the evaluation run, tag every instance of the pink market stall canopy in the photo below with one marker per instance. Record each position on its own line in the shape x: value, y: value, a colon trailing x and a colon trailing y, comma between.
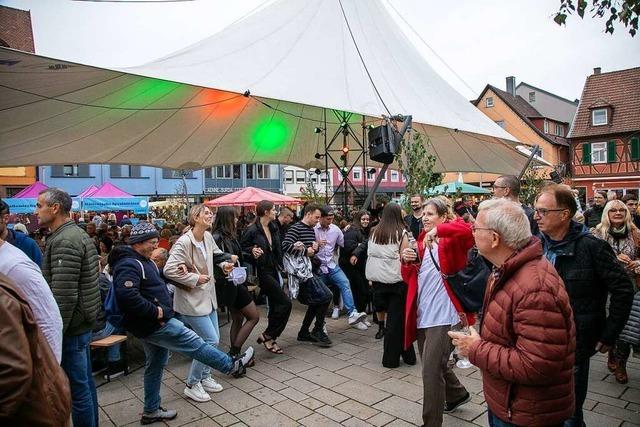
x: 250, y: 196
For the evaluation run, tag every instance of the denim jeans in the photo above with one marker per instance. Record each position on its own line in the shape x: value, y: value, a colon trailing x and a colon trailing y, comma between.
x: 76, y: 362
x: 336, y: 277
x: 175, y: 336
x: 581, y: 378
x: 113, y: 352
x: 207, y: 328
x: 497, y: 422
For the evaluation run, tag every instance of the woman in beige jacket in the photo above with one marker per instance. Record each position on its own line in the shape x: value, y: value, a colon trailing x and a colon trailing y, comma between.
x: 195, y: 294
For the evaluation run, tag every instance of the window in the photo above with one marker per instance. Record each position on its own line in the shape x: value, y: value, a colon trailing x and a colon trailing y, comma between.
x: 124, y: 171
x: 371, y: 176
x: 250, y: 171
x: 288, y: 177
x: 635, y: 148
x: 559, y: 129
x: 223, y: 171
x: 208, y: 173
x: 236, y: 171
x: 70, y: 170
x: 301, y: 177
x: 599, y: 152
x: 395, y: 176
x: 488, y: 102
x: 176, y: 174
x: 267, y: 171
x: 599, y: 117
x: 532, y: 97
x: 357, y: 174
x: 500, y: 123
x: 546, y: 126
x: 324, y: 176
x: 384, y: 177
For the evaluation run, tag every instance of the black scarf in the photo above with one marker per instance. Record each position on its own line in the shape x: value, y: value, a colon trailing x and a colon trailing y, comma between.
x: 619, y: 233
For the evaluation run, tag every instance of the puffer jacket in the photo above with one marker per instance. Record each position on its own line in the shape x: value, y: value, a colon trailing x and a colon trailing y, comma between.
x: 593, y: 216
x: 526, y: 354
x: 70, y: 266
x: 589, y: 269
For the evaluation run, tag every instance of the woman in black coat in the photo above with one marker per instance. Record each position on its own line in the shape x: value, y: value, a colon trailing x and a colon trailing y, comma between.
x: 261, y: 241
x: 355, y: 241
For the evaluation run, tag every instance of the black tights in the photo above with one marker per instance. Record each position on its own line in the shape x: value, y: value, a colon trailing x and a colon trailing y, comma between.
x: 314, y: 311
x: 240, y: 330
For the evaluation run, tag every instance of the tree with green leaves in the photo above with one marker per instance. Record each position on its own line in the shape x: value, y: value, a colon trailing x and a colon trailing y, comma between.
x: 416, y: 163
x: 311, y: 194
x: 532, y: 181
x: 625, y: 12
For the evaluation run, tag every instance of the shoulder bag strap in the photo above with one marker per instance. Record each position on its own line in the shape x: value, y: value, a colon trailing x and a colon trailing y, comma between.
x: 433, y: 259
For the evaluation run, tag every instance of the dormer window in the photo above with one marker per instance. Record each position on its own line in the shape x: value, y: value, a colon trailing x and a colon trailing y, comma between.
x: 599, y: 117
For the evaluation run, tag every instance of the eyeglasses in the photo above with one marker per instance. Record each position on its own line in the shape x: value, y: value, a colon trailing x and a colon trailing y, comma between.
x: 499, y: 186
x: 474, y: 228
x: 619, y: 210
x: 544, y: 211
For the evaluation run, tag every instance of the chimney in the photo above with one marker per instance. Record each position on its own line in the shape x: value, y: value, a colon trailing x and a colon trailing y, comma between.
x: 511, y: 85
x: 597, y: 70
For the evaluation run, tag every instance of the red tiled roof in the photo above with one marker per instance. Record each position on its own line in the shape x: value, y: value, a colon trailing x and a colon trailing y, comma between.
x: 619, y: 90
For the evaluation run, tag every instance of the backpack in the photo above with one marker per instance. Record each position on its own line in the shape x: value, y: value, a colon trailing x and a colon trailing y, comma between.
x: 111, y: 309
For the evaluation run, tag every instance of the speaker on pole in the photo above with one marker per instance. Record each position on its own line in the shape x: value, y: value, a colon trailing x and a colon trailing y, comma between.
x: 383, y: 144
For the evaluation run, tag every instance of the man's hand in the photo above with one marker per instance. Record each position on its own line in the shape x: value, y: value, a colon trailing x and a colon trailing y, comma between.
x: 203, y: 278
x: 409, y: 255
x: 463, y: 342
x: 234, y: 259
x: 603, y: 348
x: 298, y: 246
x: 160, y: 313
x: 353, y: 260
x: 310, y: 251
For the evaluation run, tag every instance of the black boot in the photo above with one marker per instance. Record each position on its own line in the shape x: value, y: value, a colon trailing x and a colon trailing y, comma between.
x: 381, y: 330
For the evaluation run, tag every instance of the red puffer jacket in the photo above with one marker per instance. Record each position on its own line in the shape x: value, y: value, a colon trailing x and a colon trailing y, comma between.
x: 527, y: 350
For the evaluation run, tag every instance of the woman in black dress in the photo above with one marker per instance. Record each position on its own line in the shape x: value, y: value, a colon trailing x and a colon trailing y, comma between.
x: 244, y: 315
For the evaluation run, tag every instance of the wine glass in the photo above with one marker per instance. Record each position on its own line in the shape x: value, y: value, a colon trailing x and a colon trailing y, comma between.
x: 462, y: 327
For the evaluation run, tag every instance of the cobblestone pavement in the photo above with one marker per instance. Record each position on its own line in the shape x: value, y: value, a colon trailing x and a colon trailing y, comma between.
x: 342, y: 385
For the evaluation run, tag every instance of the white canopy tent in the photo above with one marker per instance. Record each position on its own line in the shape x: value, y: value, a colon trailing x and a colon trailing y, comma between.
x: 298, y: 60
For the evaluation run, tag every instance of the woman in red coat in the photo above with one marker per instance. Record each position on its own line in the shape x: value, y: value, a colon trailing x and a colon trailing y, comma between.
x: 432, y: 308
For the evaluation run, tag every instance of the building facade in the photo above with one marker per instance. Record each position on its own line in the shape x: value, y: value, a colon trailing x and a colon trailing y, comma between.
x: 605, y: 135
x: 16, y: 32
x: 548, y: 104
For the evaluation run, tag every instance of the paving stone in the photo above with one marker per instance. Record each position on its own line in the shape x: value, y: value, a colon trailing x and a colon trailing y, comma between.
x: 596, y: 397
x: 268, y: 396
x: 469, y: 411
x: 606, y: 388
x: 376, y: 366
x: 293, y: 394
x: 451, y: 421
x: 589, y: 404
x: 329, y: 397
x: 357, y: 409
x: 255, y: 374
x: 321, y: 360
x: 381, y: 419
x: 347, y: 348
x: 273, y: 384
x: 186, y: 412
x: 400, y: 388
x: 631, y: 395
x: 595, y: 419
x: 295, y: 366
x: 399, y: 423
x: 276, y: 373
x: 363, y: 375
x: 302, y: 385
x: 225, y: 419
x: 401, y: 408
x: 471, y: 384
x: 333, y: 413
x: 265, y: 416
x: 323, y: 377
x: 312, y: 403
x: 292, y: 409
x: 211, y: 408
x: 246, y: 384
x: 203, y: 422
x: 619, y: 413
x: 113, y: 392
x: 355, y: 422
x: 317, y: 420
x: 362, y: 392
x: 103, y: 418
x: 125, y: 412
x: 235, y: 400
x: 628, y: 424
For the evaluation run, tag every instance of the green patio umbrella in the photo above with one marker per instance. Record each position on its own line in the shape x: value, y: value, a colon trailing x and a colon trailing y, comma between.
x: 455, y: 187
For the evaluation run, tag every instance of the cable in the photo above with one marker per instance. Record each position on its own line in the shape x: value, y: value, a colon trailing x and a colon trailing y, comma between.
x: 362, y: 59
x: 53, y: 98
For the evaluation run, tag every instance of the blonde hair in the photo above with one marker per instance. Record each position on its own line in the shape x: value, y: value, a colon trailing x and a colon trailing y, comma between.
x: 602, y: 230
x: 195, y: 212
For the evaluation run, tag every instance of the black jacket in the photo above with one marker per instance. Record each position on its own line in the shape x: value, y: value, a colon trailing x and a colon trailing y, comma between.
x: 253, y: 236
x: 590, y: 271
x: 593, y: 216
x: 355, y: 243
x: 230, y: 246
x: 139, y: 291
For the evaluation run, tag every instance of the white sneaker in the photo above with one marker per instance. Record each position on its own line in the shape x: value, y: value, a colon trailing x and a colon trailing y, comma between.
x: 211, y: 385
x: 360, y: 326
x: 356, y: 317
x: 367, y: 323
x: 336, y: 313
x: 197, y: 393
x: 240, y: 361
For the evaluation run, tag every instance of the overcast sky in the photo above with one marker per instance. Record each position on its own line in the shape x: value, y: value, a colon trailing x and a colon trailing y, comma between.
x: 483, y: 41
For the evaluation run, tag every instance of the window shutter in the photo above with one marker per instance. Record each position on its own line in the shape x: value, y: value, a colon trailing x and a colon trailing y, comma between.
x: 635, y: 148
x: 115, y: 171
x: 83, y: 170
x: 611, y: 152
x: 586, y: 154
x: 57, y: 170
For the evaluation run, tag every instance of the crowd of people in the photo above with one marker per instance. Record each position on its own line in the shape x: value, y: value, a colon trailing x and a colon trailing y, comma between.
x: 557, y: 285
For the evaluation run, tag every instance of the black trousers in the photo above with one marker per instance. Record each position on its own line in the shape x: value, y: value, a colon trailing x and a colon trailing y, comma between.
x: 317, y: 312
x: 391, y: 297
x: 279, y: 303
x: 359, y: 286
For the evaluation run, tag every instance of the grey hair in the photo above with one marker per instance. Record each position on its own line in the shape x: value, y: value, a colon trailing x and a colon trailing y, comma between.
x: 512, y: 182
x: 56, y: 195
x: 507, y: 218
x: 162, y: 252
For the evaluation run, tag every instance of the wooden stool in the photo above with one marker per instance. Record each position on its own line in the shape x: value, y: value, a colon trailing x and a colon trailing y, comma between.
x: 110, y: 341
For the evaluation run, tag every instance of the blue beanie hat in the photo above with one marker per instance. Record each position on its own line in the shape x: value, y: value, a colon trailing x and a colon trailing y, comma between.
x: 141, y: 232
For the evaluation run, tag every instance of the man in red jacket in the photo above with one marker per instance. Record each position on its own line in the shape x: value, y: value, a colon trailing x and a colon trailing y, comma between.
x: 527, y: 347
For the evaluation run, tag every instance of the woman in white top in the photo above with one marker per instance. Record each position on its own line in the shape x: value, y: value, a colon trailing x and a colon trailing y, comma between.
x: 195, y: 294
x: 386, y: 242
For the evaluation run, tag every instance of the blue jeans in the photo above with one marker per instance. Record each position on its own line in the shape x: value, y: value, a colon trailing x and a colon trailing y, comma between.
x: 336, y: 277
x: 581, y: 378
x: 113, y: 352
x: 178, y: 338
x: 497, y: 422
x: 207, y: 328
x: 76, y: 362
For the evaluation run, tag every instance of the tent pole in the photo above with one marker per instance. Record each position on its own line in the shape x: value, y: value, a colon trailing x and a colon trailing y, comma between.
x: 534, y: 151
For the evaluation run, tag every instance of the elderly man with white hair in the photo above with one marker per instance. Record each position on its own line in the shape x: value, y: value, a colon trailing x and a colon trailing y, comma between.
x: 526, y: 350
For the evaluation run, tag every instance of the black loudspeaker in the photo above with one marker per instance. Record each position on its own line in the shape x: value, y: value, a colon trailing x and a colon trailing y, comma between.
x: 382, y: 146
x: 555, y: 177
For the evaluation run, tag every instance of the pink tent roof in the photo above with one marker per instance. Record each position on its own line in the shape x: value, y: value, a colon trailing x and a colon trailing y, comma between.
x: 32, y: 191
x: 88, y: 191
x: 250, y: 196
x: 108, y: 190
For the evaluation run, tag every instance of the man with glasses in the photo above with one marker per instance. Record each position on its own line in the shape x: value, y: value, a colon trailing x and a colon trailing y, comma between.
x: 593, y: 216
x: 508, y: 187
x: 631, y: 200
x: 590, y: 272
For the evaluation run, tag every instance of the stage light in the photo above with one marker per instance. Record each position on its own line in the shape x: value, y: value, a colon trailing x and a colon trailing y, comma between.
x: 318, y: 130
x: 318, y: 171
x: 318, y: 156
x: 345, y: 149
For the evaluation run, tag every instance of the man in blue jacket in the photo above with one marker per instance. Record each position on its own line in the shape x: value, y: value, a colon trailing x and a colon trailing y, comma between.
x: 20, y: 240
x: 147, y: 310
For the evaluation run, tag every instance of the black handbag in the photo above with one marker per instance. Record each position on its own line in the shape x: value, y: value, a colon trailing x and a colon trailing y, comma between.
x: 313, y: 291
x: 469, y: 283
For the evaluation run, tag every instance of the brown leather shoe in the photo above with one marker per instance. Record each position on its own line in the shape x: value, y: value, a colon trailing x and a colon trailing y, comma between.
x: 612, y: 364
x: 621, y: 373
